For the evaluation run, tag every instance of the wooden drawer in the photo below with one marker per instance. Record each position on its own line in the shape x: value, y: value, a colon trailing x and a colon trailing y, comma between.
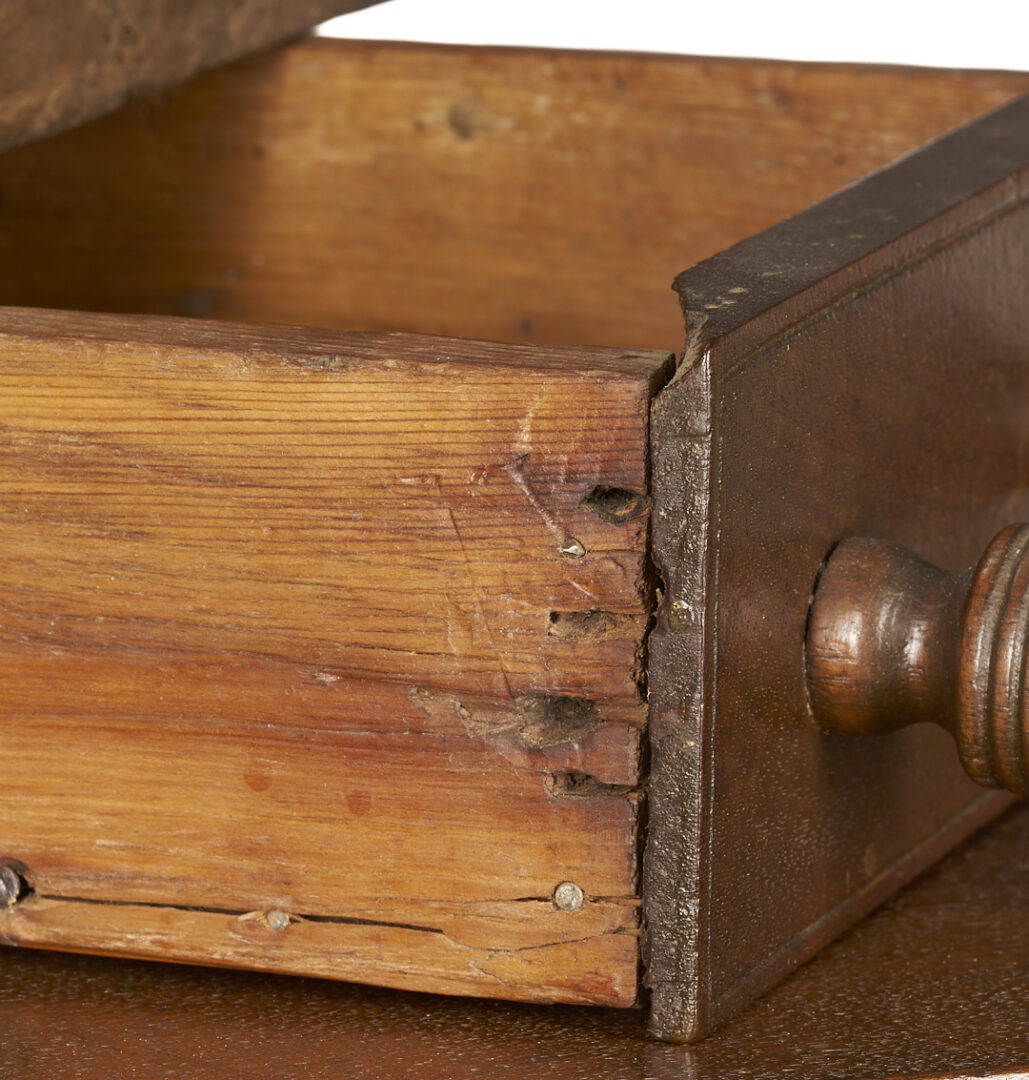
x: 475, y: 662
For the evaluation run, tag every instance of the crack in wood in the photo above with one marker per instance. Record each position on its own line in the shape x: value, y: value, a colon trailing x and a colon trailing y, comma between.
x: 345, y: 920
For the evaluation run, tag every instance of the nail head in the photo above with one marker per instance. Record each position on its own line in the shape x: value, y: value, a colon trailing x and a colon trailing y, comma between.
x: 10, y: 886
x: 568, y: 896
x: 572, y: 548
x: 277, y: 920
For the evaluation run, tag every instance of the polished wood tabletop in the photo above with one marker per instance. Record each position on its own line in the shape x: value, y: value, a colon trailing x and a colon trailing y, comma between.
x: 935, y: 983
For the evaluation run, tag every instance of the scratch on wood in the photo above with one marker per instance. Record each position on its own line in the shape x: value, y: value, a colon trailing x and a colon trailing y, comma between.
x: 515, y: 469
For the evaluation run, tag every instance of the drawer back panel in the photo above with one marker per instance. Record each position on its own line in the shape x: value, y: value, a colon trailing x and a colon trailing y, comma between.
x: 514, y: 195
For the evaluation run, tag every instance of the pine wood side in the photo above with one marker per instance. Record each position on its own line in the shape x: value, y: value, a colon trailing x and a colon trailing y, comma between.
x: 345, y: 626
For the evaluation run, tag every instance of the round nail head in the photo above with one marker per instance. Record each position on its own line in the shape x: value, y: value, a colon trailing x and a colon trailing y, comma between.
x: 568, y: 896
x: 572, y: 548
x: 277, y: 920
x: 10, y: 886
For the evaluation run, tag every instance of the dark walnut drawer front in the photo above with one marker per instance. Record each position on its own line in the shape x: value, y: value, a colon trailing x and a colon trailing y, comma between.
x: 860, y: 371
x: 493, y: 668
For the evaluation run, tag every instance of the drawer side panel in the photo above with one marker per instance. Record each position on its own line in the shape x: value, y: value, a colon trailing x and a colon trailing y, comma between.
x: 346, y: 627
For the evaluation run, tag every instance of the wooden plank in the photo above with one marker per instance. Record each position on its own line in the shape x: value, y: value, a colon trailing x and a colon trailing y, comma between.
x: 338, y: 625
x: 516, y: 195
x: 485, y: 950
x: 932, y: 985
x: 67, y: 62
x: 860, y: 370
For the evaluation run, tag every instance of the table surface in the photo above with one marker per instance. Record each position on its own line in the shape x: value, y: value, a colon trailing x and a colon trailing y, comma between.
x: 935, y: 983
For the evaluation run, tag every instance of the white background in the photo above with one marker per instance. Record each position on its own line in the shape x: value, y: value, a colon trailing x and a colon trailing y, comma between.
x: 943, y: 33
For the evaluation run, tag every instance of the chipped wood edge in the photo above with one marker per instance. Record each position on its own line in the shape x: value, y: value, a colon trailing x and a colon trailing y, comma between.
x: 681, y: 702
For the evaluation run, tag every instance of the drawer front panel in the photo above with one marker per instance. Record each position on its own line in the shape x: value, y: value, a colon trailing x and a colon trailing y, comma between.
x: 861, y: 370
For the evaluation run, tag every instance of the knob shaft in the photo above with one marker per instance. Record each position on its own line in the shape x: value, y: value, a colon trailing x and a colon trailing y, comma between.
x: 893, y: 640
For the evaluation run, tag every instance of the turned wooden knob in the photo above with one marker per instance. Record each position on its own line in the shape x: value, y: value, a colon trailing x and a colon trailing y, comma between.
x: 893, y: 640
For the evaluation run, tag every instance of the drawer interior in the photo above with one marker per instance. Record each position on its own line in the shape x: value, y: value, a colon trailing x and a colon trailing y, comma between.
x: 513, y: 195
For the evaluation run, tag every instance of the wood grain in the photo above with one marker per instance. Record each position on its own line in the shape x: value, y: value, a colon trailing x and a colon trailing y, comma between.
x: 931, y: 985
x: 516, y: 195
x: 64, y: 63
x: 287, y: 624
x: 486, y: 950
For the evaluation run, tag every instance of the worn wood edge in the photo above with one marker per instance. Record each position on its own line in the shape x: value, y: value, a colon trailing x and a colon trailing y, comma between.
x: 329, y: 349
x: 756, y: 282
x: 681, y: 704
x: 594, y: 965
x: 849, y: 68
x: 68, y: 63
x: 779, y: 324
